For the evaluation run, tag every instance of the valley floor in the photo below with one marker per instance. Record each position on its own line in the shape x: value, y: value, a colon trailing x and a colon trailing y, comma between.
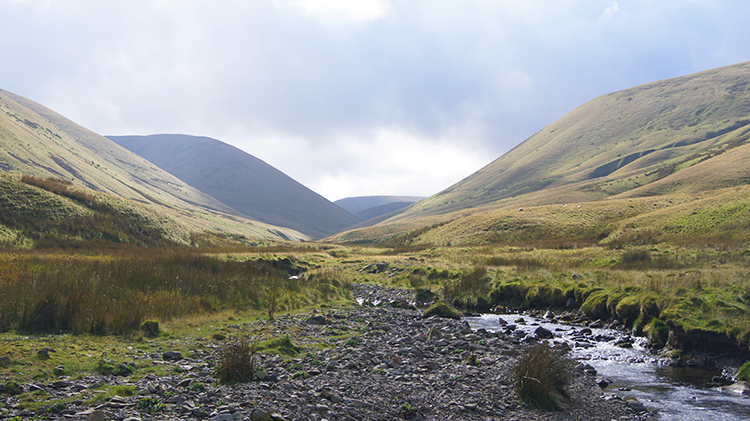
x: 364, y: 363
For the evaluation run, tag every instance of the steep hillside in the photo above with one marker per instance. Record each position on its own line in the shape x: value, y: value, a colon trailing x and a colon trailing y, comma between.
x: 368, y: 207
x: 633, y: 142
x: 36, y: 141
x: 242, y: 181
x: 678, y: 136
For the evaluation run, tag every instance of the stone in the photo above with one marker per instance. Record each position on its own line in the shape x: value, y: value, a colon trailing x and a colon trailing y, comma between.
x: 635, y: 405
x: 602, y: 382
x: 740, y: 388
x: 172, y: 356
x: 185, y: 383
x: 316, y: 320
x: 543, y: 333
x: 4, y: 360
x: 222, y: 417
x: 61, y: 384
x: 97, y: 415
x: 260, y: 415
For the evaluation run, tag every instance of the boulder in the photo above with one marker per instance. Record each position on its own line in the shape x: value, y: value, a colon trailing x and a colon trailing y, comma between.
x: 740, y: 388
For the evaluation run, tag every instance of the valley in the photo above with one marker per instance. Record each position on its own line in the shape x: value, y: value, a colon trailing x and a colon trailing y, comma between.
x: 117, y: 254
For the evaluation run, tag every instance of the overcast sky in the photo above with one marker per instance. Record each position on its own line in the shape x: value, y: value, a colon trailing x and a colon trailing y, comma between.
x: 354, y: 97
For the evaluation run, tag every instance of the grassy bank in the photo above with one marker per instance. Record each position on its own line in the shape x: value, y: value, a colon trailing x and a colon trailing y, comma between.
x: 117, y: 292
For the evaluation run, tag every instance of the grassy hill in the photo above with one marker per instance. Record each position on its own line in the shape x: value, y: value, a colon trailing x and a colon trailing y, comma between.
x: 39, y: 143
x: 679, y: 136
x: 242, y: 181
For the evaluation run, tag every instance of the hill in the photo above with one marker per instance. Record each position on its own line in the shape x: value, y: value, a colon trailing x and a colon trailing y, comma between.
x: 241, y: 181
x: 679, y: 136
x: 368, y: 207
x: 40, y: 143
x: 634, y: 142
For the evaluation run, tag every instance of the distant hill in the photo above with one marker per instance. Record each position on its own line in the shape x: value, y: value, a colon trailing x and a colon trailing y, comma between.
x: 241, y: 181
x: 368, y: 207
x: 683, y: 135
x: 36, y: 141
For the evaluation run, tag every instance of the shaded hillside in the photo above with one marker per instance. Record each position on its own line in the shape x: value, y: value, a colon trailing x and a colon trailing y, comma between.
x: 368, y: 207
x: 38, y: 142
x: 663, y: 137
x: 241, y: 181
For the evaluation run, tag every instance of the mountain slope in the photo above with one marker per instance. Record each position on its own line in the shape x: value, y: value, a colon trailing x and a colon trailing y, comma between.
x: 633, y: 142
x: 241, y: 181
x: 39, y: 142
x: 679, y: 136
x: 368, y: 207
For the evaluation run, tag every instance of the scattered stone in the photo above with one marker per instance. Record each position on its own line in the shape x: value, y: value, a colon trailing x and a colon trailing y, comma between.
x: 317, y: 320
x: 97, y: 415
x: 635, y: 405
x: 603, y: 383
x: 740, y: 388
x: 172, y: 356
x: 543, y: 333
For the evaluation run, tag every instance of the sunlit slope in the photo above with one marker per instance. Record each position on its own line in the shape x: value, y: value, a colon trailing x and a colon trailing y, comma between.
x: 668, y: 136
x: 39, y: 142
x: 241, y: 181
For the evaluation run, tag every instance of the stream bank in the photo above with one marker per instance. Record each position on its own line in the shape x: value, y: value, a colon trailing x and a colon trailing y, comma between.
x: 364, y: 363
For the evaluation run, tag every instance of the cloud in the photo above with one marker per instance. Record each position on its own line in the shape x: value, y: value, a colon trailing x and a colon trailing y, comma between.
x: 610, y: 11
x: 360, y: 10
x: 294, y: 82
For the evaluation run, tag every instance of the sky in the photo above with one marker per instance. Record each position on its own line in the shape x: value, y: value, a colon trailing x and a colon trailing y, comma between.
x: 354, y: 97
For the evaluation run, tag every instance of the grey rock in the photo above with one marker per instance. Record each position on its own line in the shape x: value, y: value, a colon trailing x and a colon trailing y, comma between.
x: 97, y: 415
x: 635, y: 405
x: 740, y: 388
x: 260, y: 415
x: 602, y: 382
x: 172, y: 356
x: 543, y: 333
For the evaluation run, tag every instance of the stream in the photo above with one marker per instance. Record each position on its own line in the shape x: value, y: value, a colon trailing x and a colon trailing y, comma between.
x: 676, y: 393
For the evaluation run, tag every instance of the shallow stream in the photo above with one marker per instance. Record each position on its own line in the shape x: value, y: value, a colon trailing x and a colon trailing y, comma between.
x: 676, y: 393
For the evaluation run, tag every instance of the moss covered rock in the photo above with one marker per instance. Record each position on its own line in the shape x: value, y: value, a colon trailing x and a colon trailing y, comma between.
x: 628, y: 308
x: 657, y: 333
x: 595, y: 306
x: 442, y: 310
x: 744, y: 374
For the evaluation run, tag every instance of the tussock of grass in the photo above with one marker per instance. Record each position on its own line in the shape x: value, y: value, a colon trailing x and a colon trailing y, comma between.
x: 542, y: 376
x: 236, y: 362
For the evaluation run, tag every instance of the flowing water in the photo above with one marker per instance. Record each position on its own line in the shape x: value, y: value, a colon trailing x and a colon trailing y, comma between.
x: 676, y: 393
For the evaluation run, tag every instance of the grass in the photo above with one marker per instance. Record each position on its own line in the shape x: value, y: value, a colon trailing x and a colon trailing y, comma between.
x: 236, y: 363
x: 542, y: 375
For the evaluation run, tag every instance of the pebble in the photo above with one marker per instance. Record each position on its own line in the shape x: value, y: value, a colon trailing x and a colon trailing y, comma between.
x: 395, y: 359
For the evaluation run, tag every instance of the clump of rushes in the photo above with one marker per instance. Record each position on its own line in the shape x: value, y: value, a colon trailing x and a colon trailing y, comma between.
x: 236, y: 361
x: 442, y: 310
x: 542, y: 376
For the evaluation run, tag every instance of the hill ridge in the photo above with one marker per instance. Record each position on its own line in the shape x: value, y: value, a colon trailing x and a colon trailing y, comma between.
x: 242, y: 181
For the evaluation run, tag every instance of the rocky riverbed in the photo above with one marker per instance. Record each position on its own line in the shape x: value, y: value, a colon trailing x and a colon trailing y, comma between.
x: 367, y: 363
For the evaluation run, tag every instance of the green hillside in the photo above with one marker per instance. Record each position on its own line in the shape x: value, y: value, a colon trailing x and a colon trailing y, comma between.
x: 40, y: 143
x: 633, y: 142
x: 241, y: 181
x: 677, y: 136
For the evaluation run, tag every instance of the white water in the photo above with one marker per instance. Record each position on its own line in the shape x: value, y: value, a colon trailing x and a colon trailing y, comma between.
x: 676, y: 393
